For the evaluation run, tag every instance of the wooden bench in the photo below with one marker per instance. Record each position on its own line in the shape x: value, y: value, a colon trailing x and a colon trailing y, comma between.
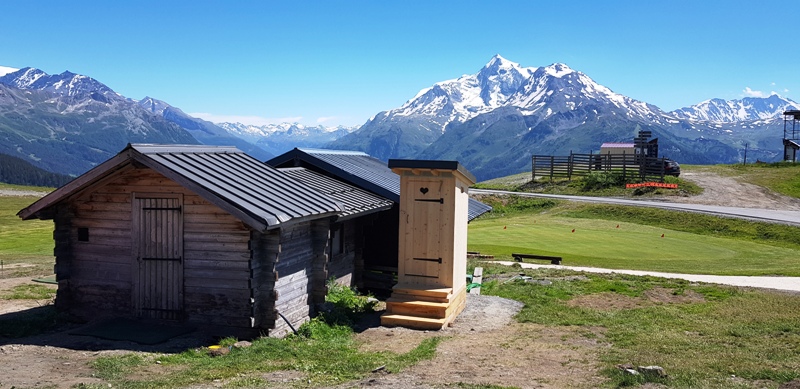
x: 553, y: 260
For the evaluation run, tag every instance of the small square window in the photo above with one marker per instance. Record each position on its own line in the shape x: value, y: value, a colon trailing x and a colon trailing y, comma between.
x: 337, y: 239
x: 83, y: 234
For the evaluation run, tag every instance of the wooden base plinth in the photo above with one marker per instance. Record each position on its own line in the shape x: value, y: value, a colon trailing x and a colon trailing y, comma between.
x: 423, y: 309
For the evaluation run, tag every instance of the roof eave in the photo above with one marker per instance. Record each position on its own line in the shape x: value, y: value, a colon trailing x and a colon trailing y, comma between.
x: 75, y: 186
x: 365, y: 212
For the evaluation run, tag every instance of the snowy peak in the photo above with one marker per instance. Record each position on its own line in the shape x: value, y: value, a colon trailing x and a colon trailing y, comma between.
x: 22, y: 78
x: 499, y: 79
x: 558, y: 70
x: 548, y: 90
x: 732, y: 111
x: 154, y: 105
x: 64, y: 84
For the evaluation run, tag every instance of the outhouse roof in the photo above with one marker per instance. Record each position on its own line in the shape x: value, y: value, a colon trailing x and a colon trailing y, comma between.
x: 356, y: 201
x: 359, y: 169
x: 257, y: 194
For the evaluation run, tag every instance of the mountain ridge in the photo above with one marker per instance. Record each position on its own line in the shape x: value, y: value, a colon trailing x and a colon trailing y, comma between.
x: 506, y: 108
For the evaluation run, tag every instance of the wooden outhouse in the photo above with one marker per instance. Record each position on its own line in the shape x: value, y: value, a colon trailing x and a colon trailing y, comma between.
x: 196, y: 233
x: 432, y: 262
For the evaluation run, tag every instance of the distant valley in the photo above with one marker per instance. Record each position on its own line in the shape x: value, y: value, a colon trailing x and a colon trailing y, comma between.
x: 491, y: 121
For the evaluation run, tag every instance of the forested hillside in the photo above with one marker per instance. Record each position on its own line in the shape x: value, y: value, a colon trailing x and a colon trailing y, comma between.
x: 16, y: 171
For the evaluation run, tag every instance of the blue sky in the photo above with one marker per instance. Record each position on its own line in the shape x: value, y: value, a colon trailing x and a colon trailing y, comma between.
x: 340, y: 62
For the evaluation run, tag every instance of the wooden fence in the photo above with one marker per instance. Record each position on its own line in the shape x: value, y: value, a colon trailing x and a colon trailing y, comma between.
x: 630, y: 166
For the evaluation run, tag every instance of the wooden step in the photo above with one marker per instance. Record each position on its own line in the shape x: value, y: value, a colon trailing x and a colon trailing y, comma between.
x: 419, y: 308
x: 411, y: 292
x: 417, y: 323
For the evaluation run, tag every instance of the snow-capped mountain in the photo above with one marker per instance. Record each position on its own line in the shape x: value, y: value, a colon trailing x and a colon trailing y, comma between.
x: 279, y: 138
x: 731, y: 111
x: 542, y: 92
x: 493, y: 120
x: 67, y: 123
x: 64, y: 84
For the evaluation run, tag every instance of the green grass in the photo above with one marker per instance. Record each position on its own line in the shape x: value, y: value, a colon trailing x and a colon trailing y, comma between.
x: 28, y: 242
x: 28, y: 292
x: 691, y: 243
x: 750, y: 334
x: 324, y: 353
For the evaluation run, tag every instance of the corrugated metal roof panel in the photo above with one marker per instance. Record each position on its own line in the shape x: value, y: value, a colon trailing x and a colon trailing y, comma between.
x: 359, y: 169
x: 356, y: 201
x: 242, y: 181
x: 612, y: 145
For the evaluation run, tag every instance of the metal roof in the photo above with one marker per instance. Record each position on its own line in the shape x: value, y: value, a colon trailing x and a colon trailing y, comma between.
x: 612, y: 145
x: 356, y: 201
x: 359, y: 169
x: 257, y: 194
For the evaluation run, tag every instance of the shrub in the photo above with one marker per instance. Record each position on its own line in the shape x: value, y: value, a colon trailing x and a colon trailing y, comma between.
x: 344, y: 305
x: 602, y: 180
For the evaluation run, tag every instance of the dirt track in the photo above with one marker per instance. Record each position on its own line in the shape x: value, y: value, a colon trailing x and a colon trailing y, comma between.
x: 728, y: 192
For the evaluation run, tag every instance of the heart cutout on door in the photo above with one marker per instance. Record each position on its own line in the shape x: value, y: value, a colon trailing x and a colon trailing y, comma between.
x: 423, y: 190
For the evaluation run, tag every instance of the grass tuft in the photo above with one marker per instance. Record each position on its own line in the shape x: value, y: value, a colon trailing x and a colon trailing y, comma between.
x: 30, y: 292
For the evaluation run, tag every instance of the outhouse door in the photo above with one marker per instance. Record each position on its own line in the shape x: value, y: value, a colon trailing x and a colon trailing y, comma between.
x: 157, y: 224
x: 423, y: 259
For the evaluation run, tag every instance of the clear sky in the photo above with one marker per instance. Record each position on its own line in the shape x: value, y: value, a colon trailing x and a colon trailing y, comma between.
x: 340, y: 62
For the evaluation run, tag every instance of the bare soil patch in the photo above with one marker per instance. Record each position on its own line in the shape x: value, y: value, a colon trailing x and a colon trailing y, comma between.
x: 21, y: 193
x: 485, y: 346
x: 609, y: 301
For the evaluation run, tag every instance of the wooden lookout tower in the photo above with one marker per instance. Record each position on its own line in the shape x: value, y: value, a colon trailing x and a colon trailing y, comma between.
x: 791, y: 135
x: 432, y: 257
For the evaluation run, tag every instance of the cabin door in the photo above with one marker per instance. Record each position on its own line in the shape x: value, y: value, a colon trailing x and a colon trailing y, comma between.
x: 158, y: 256
x: 425, y: 259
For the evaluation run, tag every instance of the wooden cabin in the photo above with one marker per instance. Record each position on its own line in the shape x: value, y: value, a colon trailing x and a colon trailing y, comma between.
x: 200, y: 234
x: 378, y: 266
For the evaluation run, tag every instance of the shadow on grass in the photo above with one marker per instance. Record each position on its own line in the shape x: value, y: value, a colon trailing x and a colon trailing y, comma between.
x: 46, y: 326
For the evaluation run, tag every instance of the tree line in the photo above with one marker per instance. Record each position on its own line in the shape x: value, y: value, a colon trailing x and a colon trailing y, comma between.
x: 17, y: 171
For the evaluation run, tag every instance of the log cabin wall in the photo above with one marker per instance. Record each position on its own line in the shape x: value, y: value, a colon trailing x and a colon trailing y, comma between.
x: 299, y: 268
x: 265, y: 249
x: 63, y: 253
x: 344, y: 248
x: 97, y: 267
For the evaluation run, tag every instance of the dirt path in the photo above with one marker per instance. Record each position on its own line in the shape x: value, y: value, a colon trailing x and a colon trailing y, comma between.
x: 20, y: 193
x: 727, y: 191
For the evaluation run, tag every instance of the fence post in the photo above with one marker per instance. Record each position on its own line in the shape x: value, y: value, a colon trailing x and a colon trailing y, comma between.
x: 533, y: 168
x: 624, y: 166
x: 552, y: 161
x: 569, y: 167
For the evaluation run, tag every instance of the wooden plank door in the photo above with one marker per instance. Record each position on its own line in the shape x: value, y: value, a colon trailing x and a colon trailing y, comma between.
x: 158, y: 256
x: 425, y: 260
